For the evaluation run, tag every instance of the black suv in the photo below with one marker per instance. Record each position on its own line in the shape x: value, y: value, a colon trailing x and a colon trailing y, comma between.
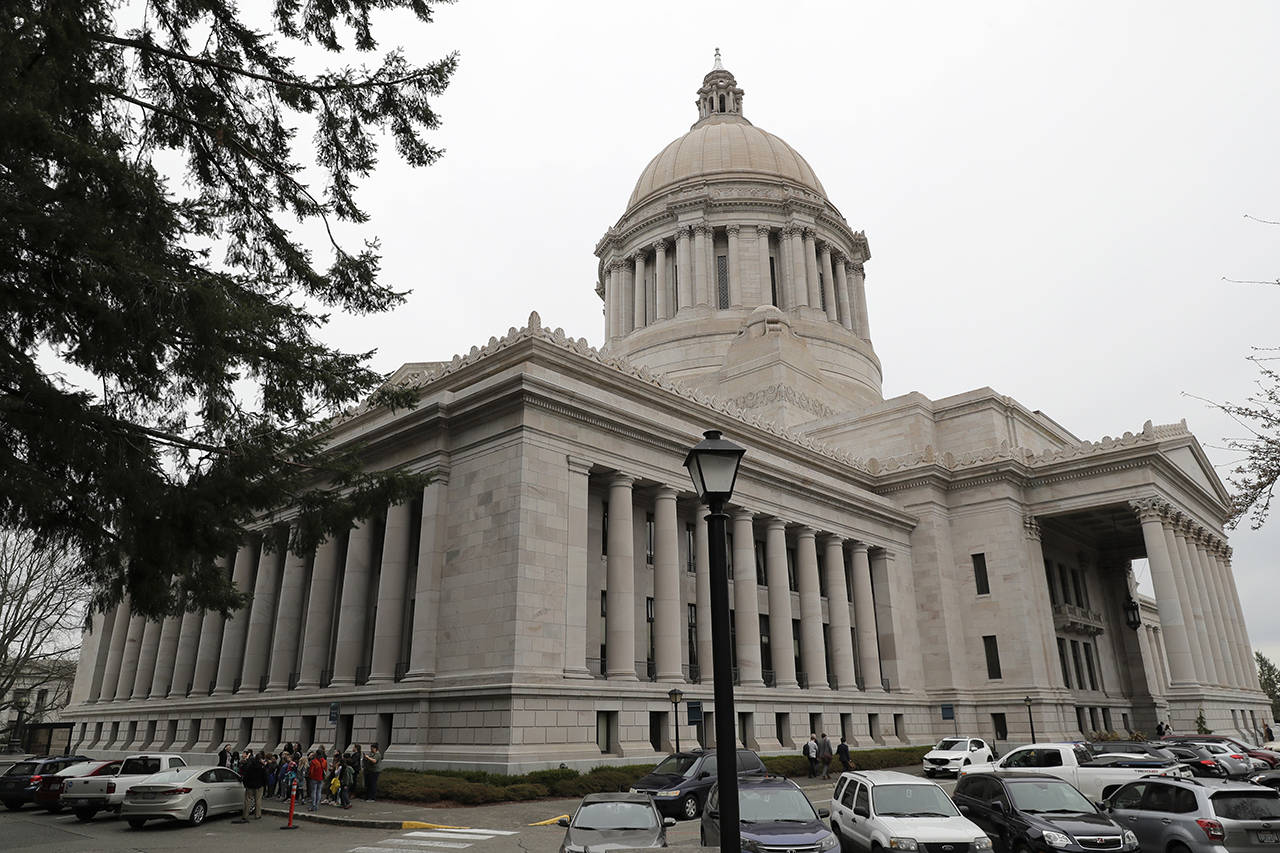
x: 19, y: 783
x: 679, y: 785
x: 1038, y: 812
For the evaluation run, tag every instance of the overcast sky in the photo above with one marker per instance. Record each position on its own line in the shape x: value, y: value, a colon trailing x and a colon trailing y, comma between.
x: 1052, y: 193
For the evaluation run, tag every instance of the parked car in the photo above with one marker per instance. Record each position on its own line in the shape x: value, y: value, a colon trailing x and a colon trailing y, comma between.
x: 1199, y: 760
x: 49, y: 794
x: 19, y: 784
x: 86, y: 796
x: 1095, y: 776
x: 889, y: 810
x: 1270, y: 778
x: 183, y: 793
x: 952, y: 753
x: 1235, y: 764
x: 1199, y: 815
x: 1152, y: 749
x: 773, y: 814
x: 680, y: 783
x: 1033, y: 812
x: 1270, y: 756
x: 613, y: 821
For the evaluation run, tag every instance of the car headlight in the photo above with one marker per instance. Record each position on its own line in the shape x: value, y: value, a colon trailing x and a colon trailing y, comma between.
x: 982, y: 843
x: 1130, y: 840
x: 828, y: 842
x: 751, y: 845
x: 666, y: 793
x: 1056, y: 839
x: 903, y: 844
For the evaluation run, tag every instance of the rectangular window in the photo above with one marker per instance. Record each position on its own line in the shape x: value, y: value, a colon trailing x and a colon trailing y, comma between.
x: 993, y: 656
x: 675, y: 286
x: 1064, y: 576
x: 648, y: 616
x: 1000, y: 726
x: 766, y: 649
x: 693, y: 635
x: 604, y: 602
x: 648, y: 539
x: 648, y: 609
x: 822, y: 291
x: 822, y: 575
x: 1053, y: 587
x: 761, y: 576
x: 1075, y: 658
x: 1081, y: 722
x: 795, y: 644
x: 1106, y: 719
x: 1088, y: 663
x: 791, y: 570
x: 773, y: 282
x: 604, y: 528
x: 848, y: 584
x: 1078, y: 587
x: 722, y: 281
x: 980, y: 573
x: 690, y: 550
x: 1062, y: 659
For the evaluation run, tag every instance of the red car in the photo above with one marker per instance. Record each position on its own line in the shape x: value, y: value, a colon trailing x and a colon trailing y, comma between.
x: 1272, y: 758
x: 49, y: 793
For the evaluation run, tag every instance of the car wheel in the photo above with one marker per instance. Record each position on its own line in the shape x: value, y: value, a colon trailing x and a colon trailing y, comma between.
x: 85, y: 815
x: 13, y: 805
x: 689, y: 806
x: 137, y: 822
x: 198, y: 812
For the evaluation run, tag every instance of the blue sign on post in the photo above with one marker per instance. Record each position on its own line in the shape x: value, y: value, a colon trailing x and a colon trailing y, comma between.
x: 948, y: 712
x: 695, y: 712
x: 333, y: 713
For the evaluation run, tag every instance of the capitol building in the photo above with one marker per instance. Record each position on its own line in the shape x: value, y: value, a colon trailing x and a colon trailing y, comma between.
x: 894, y: 563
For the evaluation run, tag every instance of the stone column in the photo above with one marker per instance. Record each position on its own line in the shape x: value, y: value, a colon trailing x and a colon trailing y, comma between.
x: 1176, y: 642
x: 627, y: 310
x: 684, y: 271
x: 1218, y: 635
x: 262, y: 615
x: 620, y: 613
x: 702, y: 590
x: 388, y: 629
x: 667, y: 610
x: 661, y: 298
x: 1047, y: 670
x: 838, y: 613
x: 812, y: 286
x: 865, y: 611
x: 148, y: 651
x: 640, y: 295
x: 1237, y: 624
x: 1199, y: 655
x: 745, y: 601
x: 775, y: 566
x: 129, y: 662
x: 317, y: 620
x: 799, y: 288
x: 115, y: 652
x: 735, y: 267
x: 812, y: 653
x: 234, y: 628
x: 353, y: 612
x: 858, y: 286
x: 575, y: 604
x: 102, y: 627
x: 897, y: 617
x: 762, y: 251
x: 208, y: 653
x: 1199, y: 590
x: 166, y: 654
x: 1231, y: 652
x: 431, y: 551
x: 1150, y: 664
x: 184, y: 663
x: 842, y: 294
x: 701, y: 274
x: 613, y: 299
x: 829, y: 285
x: 288, y: 632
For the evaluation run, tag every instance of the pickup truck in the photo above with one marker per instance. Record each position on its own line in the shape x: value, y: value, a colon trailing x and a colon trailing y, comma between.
x: 86, y: 796
x: 1095, y: 776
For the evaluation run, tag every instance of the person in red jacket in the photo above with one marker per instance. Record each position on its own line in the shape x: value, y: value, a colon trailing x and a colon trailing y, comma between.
x: 316, y: 769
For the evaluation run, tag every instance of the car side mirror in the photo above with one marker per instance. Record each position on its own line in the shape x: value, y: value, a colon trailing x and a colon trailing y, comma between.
x: 861, y: 811
x: 973, y: 749
x: 564, y: 821
x: 668, y: 821
x: 1102, y: 806
x: 997, y: 806
x: 824, y: 813
x: 964, y: 810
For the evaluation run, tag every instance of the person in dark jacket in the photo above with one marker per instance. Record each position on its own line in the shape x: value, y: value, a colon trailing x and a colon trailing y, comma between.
x: 224, y: 757
x: 253, y: 773
x: 842, y: 753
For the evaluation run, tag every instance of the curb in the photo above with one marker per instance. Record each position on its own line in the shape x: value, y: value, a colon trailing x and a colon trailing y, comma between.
x: 365, y: 823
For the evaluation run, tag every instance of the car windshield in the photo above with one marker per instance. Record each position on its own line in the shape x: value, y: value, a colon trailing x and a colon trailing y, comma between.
x: 676, y: 765
x: 1247, y: 805
x: 952, y: 744
x: 774, y: 804
x: 615, y: 816
x: 22, y: 768
x: 139, y: 766
x: 1049, y: 796
x: 922, y: 800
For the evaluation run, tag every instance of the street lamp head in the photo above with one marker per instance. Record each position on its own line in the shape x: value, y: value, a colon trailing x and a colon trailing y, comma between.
x: 20, y: 703
x: 713, y: 467
x: 1132, y: 614
x: 1026, y: 700
x: 675, y: 695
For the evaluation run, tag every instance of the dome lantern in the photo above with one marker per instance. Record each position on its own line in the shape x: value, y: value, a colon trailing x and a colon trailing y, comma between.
x: 719, y: 96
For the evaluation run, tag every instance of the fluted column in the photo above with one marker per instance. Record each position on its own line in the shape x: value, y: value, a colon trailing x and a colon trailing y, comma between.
x: 838, y: 613
x: 1205, y: 547
x: 1218, y: 634
x: 762, y: 258
x: 288, y: 631
x: 388, y: 627
x: 353, y: 612
x: 701, y: 274
x: 148, y: 650
x: 115, y: 652
x: 234, y: 628
x: 667, y: 610
x: 1045, y: 667
x: 842, y: 294
x: 735, y: 267
x: 858, y: 293
x: 1150, y: 664
x: 812, y: 653
x: 864, y: 609
x: 184, y: 663
x: 1182, y: 580
x: 684, y: 270
x: 799, y: 288
x: 661, y: 298
x: 640, y: 298
x: 630, y: 322
x: 317, y: 628
x: 166, y: 654
x: 620, y: 614
x: 431, y: 551
x: 829, y: 285
x: 745, y: 603
x: 1163, y: 578
x: 257, y: 644
x: 702, y: 589
x: 1199, y: 592
x: 103, y: 625
x: 780, y: 640
x: 575, y: 587
x: 613, y: 299
x: 129, y: 663
x: 1237, y: 624
x: 812, y: 285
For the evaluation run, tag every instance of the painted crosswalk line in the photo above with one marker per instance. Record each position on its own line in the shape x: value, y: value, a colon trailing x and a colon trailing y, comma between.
x: 433, y: 840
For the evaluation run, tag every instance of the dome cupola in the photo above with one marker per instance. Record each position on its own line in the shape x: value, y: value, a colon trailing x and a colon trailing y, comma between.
x: 719, y: 96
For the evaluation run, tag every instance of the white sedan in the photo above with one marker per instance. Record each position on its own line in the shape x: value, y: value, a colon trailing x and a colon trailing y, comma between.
x: 953, y: 753
x: 183, y: 793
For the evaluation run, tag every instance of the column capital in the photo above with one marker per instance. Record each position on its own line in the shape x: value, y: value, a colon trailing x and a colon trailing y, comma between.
x: 775, y: 523
x: 701, y: 228
x: 826, y: 538
x: 639, y: 256
x: 618, y: 478
x: 683, y: 232
x: 861, y: 547
x: 806, y: 532
x: 825, y: 249
x: 1031, y: 527
x: 666, y: 493
x: 732, y: 230
x: 810, y: 234
x: 578, y: 464
x: 858, y: 269
x: 660, y: 245
x: 741, y: 512
x: 791, y: 230
x: 763, y: 231
x: 1150, y: 509
x: 851, y: 267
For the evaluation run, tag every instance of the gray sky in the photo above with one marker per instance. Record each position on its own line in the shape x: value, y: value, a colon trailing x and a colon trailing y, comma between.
x: 1052, y: 192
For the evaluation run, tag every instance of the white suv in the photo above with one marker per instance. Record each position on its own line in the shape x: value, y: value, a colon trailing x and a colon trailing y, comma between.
x: 895, y: 811
x: 952, y: 753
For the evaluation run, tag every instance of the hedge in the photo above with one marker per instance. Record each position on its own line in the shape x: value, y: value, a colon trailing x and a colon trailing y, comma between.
x: 475, y: 787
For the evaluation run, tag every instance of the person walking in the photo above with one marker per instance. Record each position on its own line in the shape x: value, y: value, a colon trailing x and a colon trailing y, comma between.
x: 348, y: 779
x: 824, y: 756
x: 253, y: 775
x: 842, y: 752
x: 810, y: 752
x: 316, y: 768
x: 224, y: 757
x: 372, y: 769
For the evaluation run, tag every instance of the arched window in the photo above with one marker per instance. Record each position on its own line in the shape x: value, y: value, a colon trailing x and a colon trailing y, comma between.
x: 722, y: 103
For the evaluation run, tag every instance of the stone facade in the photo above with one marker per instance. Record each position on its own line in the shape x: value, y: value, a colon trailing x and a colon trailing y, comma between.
x: 551, y: 584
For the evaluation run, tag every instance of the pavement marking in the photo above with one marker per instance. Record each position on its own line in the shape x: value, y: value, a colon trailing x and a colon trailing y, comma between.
x: 551, y: 820
x: 419, y: 824
x: 478, y: 829
x: 455, y: 834
x: 420, y: 844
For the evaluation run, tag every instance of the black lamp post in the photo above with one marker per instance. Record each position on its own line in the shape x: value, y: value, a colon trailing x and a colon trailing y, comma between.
x: 713, y: 467
x: 1132, y: 614
x: 675, y: 696
x: 1027, y: 701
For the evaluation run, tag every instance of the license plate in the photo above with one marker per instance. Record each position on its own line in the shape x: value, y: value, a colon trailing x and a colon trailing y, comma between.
x: 78, y: 802
x: 1268, y: 838
x: 146, y: 796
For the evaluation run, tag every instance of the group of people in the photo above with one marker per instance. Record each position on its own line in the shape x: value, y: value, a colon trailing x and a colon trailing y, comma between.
x: 324, y: 779
x: 820, y: 754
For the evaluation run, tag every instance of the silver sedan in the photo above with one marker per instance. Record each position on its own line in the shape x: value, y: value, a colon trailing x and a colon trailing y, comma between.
x: 183, y: 793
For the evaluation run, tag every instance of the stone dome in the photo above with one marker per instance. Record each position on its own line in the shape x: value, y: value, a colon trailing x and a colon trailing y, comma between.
x: 721, y: 145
